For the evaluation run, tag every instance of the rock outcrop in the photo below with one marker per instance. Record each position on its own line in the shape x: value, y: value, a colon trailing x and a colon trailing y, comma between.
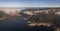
x: 2, y: 16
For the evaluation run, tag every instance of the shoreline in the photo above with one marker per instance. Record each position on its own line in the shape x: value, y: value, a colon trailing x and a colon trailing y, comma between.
x: 2, y: 18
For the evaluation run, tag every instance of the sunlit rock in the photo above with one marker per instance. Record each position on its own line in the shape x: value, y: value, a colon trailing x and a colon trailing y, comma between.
x: 57, y: 13
x: 57, y: 29
x: 45, y: 24
x: 32, y: 24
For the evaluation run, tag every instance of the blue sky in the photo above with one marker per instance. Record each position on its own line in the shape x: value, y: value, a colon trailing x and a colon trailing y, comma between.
x: 29, y: 3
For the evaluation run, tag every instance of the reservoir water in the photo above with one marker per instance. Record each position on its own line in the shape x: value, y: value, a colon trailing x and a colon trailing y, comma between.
x: 12, y: 23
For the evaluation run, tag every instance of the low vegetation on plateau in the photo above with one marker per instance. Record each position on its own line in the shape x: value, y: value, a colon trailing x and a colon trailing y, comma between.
x: 45, y: 18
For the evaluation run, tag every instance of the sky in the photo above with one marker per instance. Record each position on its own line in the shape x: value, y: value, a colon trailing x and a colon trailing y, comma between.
x: 29, y: 3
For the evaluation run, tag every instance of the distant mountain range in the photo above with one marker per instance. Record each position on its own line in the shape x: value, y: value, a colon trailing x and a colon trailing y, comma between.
x: 28, y: 7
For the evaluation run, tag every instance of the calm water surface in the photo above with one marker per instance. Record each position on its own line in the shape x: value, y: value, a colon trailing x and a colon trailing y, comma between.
x: 12, y: 23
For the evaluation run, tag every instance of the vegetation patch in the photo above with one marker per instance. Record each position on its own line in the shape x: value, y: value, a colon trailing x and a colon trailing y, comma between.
x: 1, y: 15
